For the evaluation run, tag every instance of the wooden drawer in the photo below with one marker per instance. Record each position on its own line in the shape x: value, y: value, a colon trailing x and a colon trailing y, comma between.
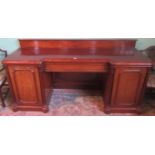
x: 75, y: 67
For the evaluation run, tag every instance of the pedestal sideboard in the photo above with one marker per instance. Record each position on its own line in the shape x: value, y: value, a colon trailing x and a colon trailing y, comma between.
x: 37, y: 67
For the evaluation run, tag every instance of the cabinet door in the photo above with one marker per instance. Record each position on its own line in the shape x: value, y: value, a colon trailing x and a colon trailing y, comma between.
x: 128, y: 85
x: 25, y: 84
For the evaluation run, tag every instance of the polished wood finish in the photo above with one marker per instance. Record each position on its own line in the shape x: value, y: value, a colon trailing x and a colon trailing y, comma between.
x: 26, y: 86
x: 127, y: 87
x: 76, y: 47
x: 114, y: 67
x: 75, y: 67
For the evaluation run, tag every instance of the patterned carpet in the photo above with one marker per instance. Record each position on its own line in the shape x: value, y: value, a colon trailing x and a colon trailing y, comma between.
x: 69, y: 102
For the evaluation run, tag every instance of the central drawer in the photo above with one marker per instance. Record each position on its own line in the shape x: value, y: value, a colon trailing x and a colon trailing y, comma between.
x: 75, y: 67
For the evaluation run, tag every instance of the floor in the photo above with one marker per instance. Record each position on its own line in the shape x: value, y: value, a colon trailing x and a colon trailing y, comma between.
x: 69, y: 102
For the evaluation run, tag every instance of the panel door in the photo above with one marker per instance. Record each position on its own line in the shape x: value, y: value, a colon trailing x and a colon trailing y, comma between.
x: 26, y: 84
x: 128, y: 86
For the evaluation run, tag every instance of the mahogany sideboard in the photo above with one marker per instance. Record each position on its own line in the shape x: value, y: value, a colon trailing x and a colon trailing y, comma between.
x: 113, y: 66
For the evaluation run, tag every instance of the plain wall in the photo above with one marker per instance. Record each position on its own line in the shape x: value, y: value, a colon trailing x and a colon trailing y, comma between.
x: 144, y: 43
x: 11, y: 44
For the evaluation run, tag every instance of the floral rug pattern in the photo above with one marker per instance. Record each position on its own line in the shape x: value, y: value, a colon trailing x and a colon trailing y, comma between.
x: 69, y: 102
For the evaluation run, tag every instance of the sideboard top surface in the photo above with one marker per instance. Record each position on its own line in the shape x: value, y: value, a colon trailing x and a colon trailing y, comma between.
x: 18, y: 58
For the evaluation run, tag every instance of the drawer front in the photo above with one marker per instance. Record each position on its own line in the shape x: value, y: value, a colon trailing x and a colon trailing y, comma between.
x: 75, y: 67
